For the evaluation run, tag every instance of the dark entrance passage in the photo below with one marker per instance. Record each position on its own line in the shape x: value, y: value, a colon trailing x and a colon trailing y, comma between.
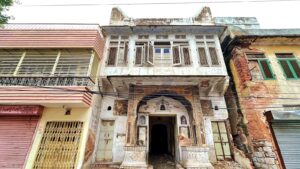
x: 162, y: 142
x: 159, y: 139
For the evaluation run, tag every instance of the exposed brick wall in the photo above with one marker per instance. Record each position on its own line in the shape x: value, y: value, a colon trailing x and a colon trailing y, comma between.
x: 254, y: 97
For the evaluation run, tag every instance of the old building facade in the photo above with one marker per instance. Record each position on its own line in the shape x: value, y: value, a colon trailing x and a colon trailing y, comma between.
x: 163, y: 83
x: 47, y: 111
x: 265, y: 69
x: 150, y: 93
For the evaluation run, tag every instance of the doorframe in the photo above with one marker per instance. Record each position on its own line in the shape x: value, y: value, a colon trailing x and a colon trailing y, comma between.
x: 176, y: 143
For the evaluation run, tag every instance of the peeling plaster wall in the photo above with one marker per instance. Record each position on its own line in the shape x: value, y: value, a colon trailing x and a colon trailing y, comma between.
x: 119, y: 128
x: 258, y: 96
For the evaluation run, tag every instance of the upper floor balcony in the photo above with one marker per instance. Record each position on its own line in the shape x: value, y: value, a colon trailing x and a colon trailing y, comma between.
x: 49, y: 77
x: 163, y: 51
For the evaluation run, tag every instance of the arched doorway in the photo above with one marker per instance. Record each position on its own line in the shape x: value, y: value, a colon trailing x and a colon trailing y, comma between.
x: 162, y: 122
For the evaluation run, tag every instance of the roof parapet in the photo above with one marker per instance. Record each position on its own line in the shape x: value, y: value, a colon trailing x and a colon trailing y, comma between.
x: 203, y: 17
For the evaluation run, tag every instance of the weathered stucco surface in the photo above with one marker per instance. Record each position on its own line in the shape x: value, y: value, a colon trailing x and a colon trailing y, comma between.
x: 258, y: 96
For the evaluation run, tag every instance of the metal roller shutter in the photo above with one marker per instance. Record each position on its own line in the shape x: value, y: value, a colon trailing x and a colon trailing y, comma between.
x: 16, y: 134
x: 288, y: 139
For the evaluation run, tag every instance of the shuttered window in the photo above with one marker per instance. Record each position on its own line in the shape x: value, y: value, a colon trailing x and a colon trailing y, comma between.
x: 213, y: 56
x: 118, y: 51
x: 290, y: 65
x: 176, y: 55
x: 59, y: 145
x: 221, y: 141
x: 138, y: 55
x: 181, y: 53
x: 186, y: 55
x: 207, y: 50
x: 9, y: 59
x: 38, y: 62
x: 259, y: 66
x: 112, y: 56
x: 202, y: 56
x: 73, y: 62
x: 150, y: 56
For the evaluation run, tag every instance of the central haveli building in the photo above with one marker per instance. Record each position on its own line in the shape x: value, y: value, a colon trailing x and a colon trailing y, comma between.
x: 163, y: 82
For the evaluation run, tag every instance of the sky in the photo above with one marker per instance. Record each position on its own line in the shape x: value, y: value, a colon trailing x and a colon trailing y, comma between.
x: 270, y: 13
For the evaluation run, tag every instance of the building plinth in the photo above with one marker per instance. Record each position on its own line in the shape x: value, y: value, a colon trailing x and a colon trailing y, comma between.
x: 195, y: 157
x: 135, y: 157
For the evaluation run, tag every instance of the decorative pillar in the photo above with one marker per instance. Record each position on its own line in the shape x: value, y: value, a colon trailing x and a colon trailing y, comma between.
x: 198, y: 118
x: 135, y: 156
x: 132, y: 117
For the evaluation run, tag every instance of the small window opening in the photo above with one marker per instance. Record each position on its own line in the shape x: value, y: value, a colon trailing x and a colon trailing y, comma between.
x: 109, y: 108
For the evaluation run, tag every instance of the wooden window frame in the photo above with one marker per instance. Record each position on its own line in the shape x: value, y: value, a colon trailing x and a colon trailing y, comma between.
x: 259, y: 58
x: 203, y: 41
x: 221, y: 141
x: 288, y: 61
x: 121, y: 39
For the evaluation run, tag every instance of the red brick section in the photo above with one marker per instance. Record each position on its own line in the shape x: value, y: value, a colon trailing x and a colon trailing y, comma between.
x: 250, y: 93
x: 241, y: 65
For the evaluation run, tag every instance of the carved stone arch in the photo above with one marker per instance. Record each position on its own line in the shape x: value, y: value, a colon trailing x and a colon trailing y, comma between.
x: 168, y: 94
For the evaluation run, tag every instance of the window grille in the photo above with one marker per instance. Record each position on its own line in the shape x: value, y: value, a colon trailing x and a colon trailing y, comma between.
x: 45, y: 62
x: 38, y: 62
x: 9, y: 60
x: 73, y: 62
x: 59, y: 145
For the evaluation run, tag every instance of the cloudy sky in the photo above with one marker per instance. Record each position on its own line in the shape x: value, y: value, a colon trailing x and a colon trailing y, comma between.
x: 270, y: 13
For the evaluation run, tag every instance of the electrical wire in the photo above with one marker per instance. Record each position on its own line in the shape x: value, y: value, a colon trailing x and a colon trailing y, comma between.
x: 154, y: 3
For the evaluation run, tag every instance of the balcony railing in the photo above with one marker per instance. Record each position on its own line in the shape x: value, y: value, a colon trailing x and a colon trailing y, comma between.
x: 46, y: 81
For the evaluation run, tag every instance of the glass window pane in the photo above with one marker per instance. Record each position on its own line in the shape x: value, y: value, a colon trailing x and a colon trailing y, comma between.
x: 224, y: 137
x: 216, y: 137
x: 222, y: 127
x: 218, y: 147
x: 73, y: 62
x: 166, y: 50
x: 226, y: 149
x: 215, y: 127
x: 9, y: 60
x: 38, y: 62
x: 157, y: 50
